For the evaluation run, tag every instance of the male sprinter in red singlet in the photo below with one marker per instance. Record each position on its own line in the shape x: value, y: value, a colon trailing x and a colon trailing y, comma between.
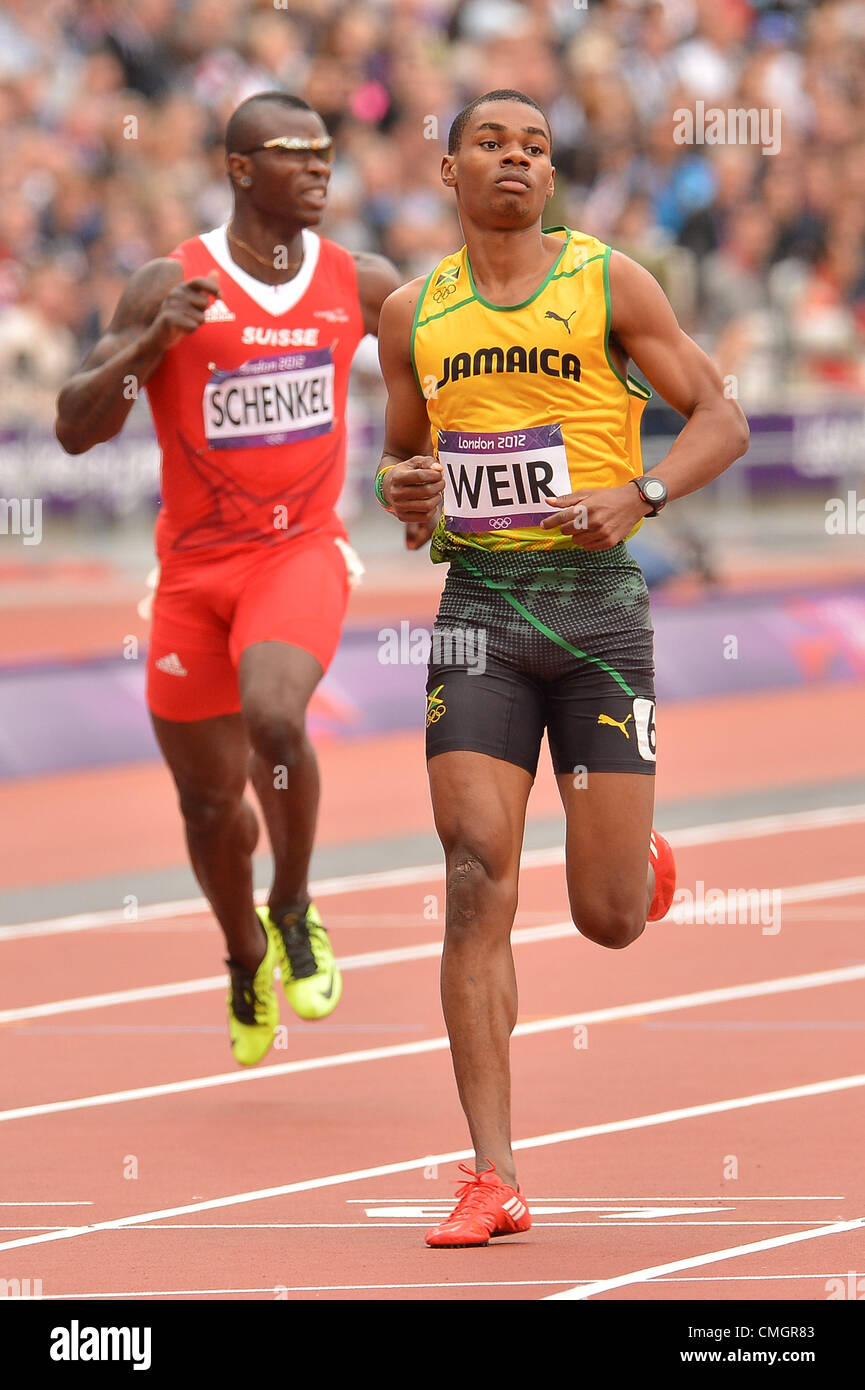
x: 514, y: 352
x: 245, y: 337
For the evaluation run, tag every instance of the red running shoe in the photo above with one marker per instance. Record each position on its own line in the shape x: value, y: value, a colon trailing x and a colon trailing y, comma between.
x: 662, y: 861
x: 485, y: 1207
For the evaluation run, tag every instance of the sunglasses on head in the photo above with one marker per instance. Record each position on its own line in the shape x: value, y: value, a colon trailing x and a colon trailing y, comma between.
x: 322, y: 146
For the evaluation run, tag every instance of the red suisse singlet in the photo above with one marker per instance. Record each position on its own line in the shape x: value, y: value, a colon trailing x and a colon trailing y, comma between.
x: 250, y: 408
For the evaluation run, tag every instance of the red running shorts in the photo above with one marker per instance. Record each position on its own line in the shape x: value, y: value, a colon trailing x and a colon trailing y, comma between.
x: 206, y: 614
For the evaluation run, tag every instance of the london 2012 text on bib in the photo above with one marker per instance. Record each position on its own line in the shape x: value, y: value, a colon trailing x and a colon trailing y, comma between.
x: 495, y: 481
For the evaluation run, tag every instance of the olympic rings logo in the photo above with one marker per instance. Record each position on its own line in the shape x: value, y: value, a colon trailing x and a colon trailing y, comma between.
x: 499, y: 523
x: 441, y: 295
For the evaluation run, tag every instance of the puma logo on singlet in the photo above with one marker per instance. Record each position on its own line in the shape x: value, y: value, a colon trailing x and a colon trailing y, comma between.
x: 607, y: 719
x: 551, y: 314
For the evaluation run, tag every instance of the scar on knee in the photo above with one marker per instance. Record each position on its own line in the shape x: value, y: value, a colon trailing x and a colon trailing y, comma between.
x: 465, y: 869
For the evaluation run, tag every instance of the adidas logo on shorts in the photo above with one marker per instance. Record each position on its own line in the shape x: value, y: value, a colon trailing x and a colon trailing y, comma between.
x: 171, y: 665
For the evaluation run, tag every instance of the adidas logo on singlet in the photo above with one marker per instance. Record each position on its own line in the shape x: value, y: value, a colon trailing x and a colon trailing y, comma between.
x: 217, y: 312
x: 171, y: 665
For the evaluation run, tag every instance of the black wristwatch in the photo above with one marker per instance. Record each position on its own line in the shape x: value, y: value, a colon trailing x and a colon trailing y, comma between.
x: 653, y: 491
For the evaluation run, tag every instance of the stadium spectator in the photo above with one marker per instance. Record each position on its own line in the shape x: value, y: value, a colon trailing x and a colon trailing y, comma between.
x: 113, y: 113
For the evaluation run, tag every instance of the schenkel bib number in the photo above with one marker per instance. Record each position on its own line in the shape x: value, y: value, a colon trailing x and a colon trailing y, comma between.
x: 270, y: 400
x: 495, y: 482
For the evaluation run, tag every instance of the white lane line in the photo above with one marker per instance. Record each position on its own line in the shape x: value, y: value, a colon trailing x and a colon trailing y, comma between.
x: 642, y: 1276
x: 104, y: 1001
x: 828, y: 888
x: 540, y: 1201
x: 273, y: 1289
x: 365, y: 960
x: 783, y: 823
x: 442, y: 1208
x: 794, y: 893
x: 699, y: 999
x: 664, y: 1117
x: 755, y: 827
x: 193, y: 907
x: 784, y: 984
x: 737, y: 1278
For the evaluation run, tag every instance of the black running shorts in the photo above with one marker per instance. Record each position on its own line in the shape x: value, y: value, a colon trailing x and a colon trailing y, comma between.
x: 531, y: 640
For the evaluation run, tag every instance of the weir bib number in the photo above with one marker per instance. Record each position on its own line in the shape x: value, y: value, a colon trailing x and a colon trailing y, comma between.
x: 500, y: 481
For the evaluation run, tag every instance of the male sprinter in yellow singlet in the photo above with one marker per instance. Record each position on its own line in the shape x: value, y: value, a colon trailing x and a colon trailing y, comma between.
x: 514, y: 353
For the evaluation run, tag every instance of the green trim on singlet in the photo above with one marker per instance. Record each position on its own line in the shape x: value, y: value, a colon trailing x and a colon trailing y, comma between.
x: 509, y: 308
x: 631, y: 385
x: 414, y: 325
x: 475, y: 298
x: 542, y: 627
x: 568, y: 274
x: 451, y: 309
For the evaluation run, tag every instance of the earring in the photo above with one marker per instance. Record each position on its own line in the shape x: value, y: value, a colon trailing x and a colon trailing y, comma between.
x: 246, y: 181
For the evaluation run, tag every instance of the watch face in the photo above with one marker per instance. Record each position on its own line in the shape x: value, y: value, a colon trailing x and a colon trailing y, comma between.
x: 653, y: 489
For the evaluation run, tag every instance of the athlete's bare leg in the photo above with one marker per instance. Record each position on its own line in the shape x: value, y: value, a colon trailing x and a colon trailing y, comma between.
x: 276, y: 684
x: 208, y: 759
x: 480, y: 806
x: 610, y: 880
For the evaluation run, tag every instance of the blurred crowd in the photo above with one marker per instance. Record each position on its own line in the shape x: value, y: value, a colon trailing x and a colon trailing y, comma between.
x: 113, y: 113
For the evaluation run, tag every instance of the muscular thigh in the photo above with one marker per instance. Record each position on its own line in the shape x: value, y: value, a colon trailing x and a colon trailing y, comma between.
x: 208, y: 612
x: 207, y: 757
x: 609, y: 821
x: 296, y: 595
x: 490, y: 709
x: 191, y: 678
x: 479, y: 804
x: 277, y: 679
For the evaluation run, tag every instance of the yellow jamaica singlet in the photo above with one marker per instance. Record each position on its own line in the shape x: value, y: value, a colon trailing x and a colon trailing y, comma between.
x: 523, y: 399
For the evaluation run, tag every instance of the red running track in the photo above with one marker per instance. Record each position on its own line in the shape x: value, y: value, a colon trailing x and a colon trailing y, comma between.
x: 656, y: 1125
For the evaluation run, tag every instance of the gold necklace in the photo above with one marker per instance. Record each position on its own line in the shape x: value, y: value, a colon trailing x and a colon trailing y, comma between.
x: 262, y: 260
